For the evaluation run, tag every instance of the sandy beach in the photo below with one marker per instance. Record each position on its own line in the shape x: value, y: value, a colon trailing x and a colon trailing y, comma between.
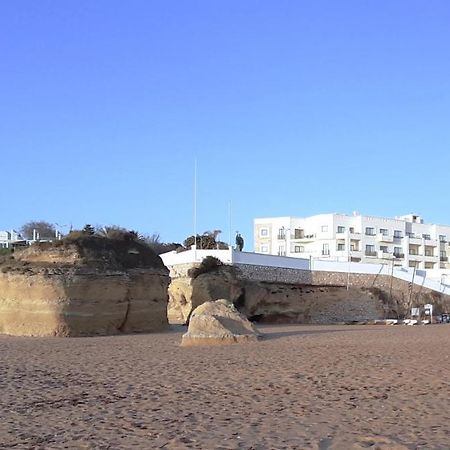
x: 311, y: 387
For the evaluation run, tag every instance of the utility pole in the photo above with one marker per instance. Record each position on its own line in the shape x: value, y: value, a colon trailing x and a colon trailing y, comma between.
x: 411, y: 290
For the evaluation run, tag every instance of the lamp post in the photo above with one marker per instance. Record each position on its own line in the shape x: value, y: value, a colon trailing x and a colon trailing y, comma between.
x: 285, y: 234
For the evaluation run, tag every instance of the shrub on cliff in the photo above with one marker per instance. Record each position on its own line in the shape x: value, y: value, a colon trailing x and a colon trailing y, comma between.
x: 207, y: 241
x: 208, y: 265
x: 118, y: 251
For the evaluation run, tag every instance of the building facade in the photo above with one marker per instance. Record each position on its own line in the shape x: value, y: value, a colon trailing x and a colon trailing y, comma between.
x: 403, y: 241
x: 9, y: 238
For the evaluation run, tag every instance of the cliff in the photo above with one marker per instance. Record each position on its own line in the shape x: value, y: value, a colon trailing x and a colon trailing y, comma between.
x: 83, y: 287
x: 287, y: 296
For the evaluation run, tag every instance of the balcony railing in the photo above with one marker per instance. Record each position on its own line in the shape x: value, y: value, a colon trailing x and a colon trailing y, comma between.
x: 384, y: 238
x: 444, y: 258
x: 370, y: 253
x: 399, y: 255
x: 281, y: 237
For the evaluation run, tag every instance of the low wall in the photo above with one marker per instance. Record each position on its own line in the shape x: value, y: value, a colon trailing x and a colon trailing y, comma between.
x: 281, y: 267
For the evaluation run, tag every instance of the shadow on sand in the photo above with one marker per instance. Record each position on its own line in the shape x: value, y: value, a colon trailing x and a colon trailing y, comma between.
x: 268, y: 333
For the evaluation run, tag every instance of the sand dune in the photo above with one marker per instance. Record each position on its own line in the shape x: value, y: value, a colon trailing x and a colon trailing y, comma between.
x: 312, y: 387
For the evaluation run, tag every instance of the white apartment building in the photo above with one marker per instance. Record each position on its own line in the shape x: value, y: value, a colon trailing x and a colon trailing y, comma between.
x: 8, y: 238
x: 404, y: 241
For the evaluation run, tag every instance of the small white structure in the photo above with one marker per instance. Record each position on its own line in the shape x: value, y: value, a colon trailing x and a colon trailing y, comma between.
x: 9, y: 238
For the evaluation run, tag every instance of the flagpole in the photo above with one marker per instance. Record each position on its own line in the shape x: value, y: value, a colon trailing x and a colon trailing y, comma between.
x: 230, y: 222
x: 195, y: 209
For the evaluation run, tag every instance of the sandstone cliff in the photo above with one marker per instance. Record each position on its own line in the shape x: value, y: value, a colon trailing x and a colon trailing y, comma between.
x: 322, y: 298
x: 94, y: 286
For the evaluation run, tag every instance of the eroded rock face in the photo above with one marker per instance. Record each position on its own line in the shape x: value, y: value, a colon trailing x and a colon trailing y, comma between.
x: 54, y: 292
x: 218, y: 322
x: 273, y: 302
x: 185, y: 294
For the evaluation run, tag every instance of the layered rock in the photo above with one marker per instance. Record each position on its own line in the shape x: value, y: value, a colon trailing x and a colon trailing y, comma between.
x: 218, y: 322
x: 186, y: 293
x: 96, y: 287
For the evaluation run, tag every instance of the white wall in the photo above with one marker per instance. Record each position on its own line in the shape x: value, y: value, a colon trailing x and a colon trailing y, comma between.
x: 423, y: 278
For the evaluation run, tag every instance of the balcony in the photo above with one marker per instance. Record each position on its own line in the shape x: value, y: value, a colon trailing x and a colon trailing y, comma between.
x: 305, y: 238
x: 281, y: 237
x: 399, y: 255
x: 444, y: 258
x: 385, y: 238
x: 384, y: 255
x: 370, y: 253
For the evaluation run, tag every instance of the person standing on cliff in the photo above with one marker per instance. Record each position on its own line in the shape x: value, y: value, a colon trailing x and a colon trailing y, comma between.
x: 239, y: 242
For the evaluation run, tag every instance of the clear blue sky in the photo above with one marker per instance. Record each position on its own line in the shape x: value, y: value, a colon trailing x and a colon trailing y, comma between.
x: 290, y: 107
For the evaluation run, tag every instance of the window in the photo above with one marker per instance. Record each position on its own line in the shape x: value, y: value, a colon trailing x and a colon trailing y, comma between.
x: 282, y: 233
x: 340, y: 229
x: 264, y: 249
x: 370, y: 231
x: 384, y: 248
x: 442, y: 237
x: 397, y: 251
x: 429, y: 251
x: 429, y: 265
x: 324, y: 228
x: 413, y: 251
x: 264, y: 232
x: 299, y: 233
x: 426, y: 237
x: 299, y: 249
x: 351, y: 229
x: 397, y: 234
x: 340, y: 247
x: 281, y: 251
x: 383, y: 231
x: 325, y: 249
x: 370, y: 250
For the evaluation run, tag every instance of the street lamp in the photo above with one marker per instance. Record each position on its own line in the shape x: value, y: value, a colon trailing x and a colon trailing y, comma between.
x: 285, y: 235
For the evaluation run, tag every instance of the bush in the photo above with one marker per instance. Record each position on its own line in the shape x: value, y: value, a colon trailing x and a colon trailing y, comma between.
x: 209, y: 264
x: 382, y: 295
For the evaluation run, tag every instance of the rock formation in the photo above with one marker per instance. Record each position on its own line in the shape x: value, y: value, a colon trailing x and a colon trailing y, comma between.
x: 321, y: 297
x: 84, y: 287
x: 218, y: 322
x: 186, y: 293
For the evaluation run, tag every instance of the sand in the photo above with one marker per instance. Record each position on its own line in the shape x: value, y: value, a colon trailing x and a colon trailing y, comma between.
x: 311, y: 387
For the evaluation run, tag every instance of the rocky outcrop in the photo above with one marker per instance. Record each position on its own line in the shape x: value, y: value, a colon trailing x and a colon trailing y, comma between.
x: 218, y: 322
x: 186, y: 293
x: 282, y: 302
x: 66, y: 290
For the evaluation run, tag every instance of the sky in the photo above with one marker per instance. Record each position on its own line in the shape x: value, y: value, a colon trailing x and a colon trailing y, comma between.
x: 288, y: 107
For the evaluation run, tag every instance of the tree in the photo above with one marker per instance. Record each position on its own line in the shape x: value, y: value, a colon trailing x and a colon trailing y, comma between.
x: 44, y: 229
x: 206, y: 241
x: 89, y: 230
